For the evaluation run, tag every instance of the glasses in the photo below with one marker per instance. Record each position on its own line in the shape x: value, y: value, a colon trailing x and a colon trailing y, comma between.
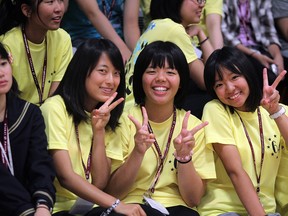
x: 200, y: 2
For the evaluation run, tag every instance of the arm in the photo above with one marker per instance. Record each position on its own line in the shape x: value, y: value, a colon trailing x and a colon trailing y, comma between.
x: 282, y: 24
x: 213, y: 23
x: 130, y: 20
x: 270, y: 102
x: 123, y: 178
x: 184, y: 143
x: 231, y: 160
x: 275, y: 52
x: 196, y: 69
x: 103, y: 26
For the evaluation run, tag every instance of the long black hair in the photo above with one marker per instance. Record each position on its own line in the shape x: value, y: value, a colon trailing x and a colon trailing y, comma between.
x: 72, y: 87
x: 235, y: 61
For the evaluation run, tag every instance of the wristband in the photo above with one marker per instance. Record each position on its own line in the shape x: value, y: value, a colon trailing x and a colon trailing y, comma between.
x: 110, y: 209
x: 200, y: 43
x: 183, y: 160
x: 278, y: 114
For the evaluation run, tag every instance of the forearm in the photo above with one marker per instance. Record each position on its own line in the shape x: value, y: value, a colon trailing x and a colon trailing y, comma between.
x: 205, y: 45
x: 213, y: 22
x: 124, y: 177
x: 186, y: 174
x: 247, y: 194
x: 100, y: 167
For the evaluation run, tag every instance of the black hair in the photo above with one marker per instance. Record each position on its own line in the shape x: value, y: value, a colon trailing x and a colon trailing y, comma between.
x: 156, y: 53
x: 161, y: 9
x: 11, y: 13
x: 234, y: 60
x: 72, y: 87
x: 4, y: 55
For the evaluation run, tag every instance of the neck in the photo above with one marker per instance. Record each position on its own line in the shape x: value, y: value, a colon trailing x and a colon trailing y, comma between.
x: 2, y: 106
x: 34, y: 34
x: 158, y: 113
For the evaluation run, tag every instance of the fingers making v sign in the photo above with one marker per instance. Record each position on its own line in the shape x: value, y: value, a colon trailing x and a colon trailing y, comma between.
x: 101, y: 116
x: 271, y: 97
x: 185, y: 141
x: 143, y: 139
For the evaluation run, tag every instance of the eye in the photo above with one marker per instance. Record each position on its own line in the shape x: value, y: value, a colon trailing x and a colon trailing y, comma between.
x: 117, y: 73
x: 217, y: 85
x: 150, y: 71
x: 172, y: 72
x: 235, y: 76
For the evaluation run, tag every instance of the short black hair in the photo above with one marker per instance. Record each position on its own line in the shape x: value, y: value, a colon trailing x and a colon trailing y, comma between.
x: 72, y: 87
x: 235, y: 61
x: 156, y: 53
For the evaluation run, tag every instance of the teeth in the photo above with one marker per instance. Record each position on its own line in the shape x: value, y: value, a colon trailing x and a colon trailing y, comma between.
x: 234, y: 96
x: 160, y: 89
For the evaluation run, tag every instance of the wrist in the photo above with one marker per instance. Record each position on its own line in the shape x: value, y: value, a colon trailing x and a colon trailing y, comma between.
x: 111, y: 208
x: 183, y: 159
x: 43, y: 204
x: 279, y: 113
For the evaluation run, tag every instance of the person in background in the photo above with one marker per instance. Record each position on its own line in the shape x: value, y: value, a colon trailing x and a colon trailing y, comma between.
x: 26, y: 168
x: 166, y: 163
x: 280, y: 15
x: 85, y: 107
x: 247, y: 127
x: 171, y: 22
x: 249, y: 26
x: 29, y: 29
x: 116, y: 20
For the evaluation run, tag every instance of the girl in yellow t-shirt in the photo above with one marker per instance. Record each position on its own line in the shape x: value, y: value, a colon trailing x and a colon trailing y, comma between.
x: 247, y: 127
x: 84, y: 109
x: 166, y: 163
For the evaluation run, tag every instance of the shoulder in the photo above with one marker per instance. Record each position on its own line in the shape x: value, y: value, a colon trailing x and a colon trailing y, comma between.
x: 53, y: 104
x: 59, y: 34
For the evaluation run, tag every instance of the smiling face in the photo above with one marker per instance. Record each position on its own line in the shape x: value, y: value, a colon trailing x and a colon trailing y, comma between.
x: 191, y: 12
x: 232, y: 89
x: 160, y: 85
x: 101, y: 83
x: 48, y: 15
x: 5, y: 76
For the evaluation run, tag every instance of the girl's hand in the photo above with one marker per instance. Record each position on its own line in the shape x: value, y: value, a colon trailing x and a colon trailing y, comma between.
x: 42, y: 212
x: 185, y: 141
x: 271, y: 97
x: 143, y: 139
x: 101, y: 116
x: 130, y: 209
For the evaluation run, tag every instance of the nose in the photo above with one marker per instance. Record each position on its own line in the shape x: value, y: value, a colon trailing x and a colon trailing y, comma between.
x: 109, y: 77
x: 230, y: 87
x: 59, y: 6
x: 161, y: 76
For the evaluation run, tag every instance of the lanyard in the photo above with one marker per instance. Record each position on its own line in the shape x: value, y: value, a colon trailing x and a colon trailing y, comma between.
x: 161, y: 156
x: 108, y: 15
x: 258, y: 176
x: 87, y: 168
x: 29, y: 56
x: 6, y: 154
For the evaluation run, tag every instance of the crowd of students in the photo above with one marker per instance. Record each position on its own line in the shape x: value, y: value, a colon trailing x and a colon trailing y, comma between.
x: 187, y: 117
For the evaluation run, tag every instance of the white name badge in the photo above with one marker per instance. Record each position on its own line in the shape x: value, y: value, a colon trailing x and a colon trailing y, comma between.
x: 81, y: 207
x: 156, y: 205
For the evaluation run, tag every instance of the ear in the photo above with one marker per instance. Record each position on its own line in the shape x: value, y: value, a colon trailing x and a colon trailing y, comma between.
x: 26, y: 10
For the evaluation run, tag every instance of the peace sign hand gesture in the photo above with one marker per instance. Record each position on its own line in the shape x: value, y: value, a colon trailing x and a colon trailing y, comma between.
x: 101, y: 116
x: 185, y: 141
x: 271, y: 97
x: 143, y: 139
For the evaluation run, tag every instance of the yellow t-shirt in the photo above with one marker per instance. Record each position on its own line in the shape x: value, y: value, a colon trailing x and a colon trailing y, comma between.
x: 174, y: 33
x: 281, y: 188
x: 227, y: 129
x: 59, y: 54
x: 166, y: 190
x: 61, y: 134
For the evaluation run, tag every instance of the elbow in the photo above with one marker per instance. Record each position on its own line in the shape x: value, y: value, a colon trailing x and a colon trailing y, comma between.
x: 193, y: 202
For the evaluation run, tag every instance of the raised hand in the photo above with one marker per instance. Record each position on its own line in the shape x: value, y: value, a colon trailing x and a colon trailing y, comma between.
x: 101, y: 116
x: 271, y: 97
x: 185, y: 141
x: 143, y: 139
